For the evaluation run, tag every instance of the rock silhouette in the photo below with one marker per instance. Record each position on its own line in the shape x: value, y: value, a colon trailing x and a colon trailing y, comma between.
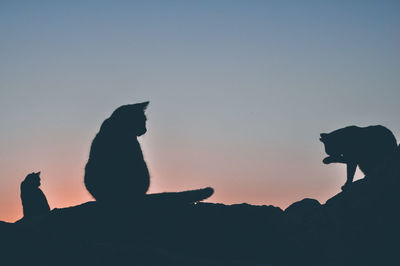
x: 366, y: 147
x: 358, y: 226
x: 34, y: 201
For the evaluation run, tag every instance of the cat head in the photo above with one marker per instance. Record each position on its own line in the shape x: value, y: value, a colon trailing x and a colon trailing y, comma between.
x: 131, y: 117
x: 340, y: 141
x: 331, y: 143
x: 32, y: 180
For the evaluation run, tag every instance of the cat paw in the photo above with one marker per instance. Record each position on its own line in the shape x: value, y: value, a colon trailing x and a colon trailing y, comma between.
x: 327, y: 160
x: 346, y: 186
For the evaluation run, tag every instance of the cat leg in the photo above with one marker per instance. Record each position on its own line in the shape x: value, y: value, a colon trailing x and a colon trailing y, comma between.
x: 351, y: 170
x: 334, y: 159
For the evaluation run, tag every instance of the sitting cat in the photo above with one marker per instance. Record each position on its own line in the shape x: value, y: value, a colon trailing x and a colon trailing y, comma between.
x: 116, y: 172
x: 366, y: 147
x: 34, y: 201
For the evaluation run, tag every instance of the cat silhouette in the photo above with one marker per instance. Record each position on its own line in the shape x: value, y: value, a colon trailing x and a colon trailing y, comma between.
x: 116, y: 171
x: 34, y: 201
x: 365, y: 147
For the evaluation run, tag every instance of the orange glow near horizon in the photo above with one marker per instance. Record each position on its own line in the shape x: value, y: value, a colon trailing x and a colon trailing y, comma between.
x: 261, y: 177
x: 63, y: 187
x: 260, y: 174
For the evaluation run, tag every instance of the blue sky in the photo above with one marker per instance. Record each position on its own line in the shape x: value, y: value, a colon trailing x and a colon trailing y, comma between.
x: 239, y: 91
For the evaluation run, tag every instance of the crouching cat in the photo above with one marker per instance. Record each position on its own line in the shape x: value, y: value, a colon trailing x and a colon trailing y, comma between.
x: 366, y: 147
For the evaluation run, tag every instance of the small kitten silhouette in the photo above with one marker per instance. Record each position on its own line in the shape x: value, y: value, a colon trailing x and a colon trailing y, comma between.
x: 34, y: 201
x: 116, y: 171
x: 366, y: 147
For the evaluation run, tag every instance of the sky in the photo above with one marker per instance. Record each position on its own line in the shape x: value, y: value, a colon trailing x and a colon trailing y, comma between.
x: 239, y: 91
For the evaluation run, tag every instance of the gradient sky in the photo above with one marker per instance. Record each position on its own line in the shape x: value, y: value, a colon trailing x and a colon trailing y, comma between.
x: 239, y: 91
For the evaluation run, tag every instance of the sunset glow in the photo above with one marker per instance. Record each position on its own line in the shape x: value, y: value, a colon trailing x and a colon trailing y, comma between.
x: 239, y: 92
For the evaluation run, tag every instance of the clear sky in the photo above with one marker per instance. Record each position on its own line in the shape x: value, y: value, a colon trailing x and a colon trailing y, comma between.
x: 239, y: 91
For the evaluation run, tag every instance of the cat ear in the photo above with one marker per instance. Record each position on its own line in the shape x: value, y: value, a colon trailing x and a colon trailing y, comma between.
x: 323, y: 137
x: 144, y: 105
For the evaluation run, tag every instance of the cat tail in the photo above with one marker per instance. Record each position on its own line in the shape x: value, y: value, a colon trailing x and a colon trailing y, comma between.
x: 184, y: 197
